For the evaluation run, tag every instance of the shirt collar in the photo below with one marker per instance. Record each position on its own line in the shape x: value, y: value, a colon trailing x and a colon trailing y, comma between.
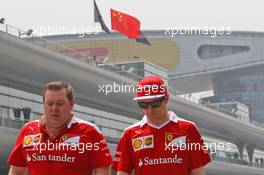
x: 172, y: 117
x: 73, y: 120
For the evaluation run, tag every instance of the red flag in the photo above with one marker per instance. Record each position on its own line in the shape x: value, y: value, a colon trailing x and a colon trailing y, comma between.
x: 125, y: 24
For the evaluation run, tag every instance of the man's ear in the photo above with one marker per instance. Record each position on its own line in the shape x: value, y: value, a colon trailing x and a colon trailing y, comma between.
x: 72, y: 102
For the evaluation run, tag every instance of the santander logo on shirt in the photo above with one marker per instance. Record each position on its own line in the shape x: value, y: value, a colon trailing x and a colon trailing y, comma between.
x: 160, y: 160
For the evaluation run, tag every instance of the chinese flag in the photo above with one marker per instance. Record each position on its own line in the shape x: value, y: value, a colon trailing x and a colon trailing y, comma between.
x: 125, y: 24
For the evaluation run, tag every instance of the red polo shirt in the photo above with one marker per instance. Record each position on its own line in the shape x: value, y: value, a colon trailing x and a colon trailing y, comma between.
x: 176, y: 147
x: 78, y: 149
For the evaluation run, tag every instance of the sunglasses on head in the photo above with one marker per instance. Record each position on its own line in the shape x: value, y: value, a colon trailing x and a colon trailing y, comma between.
x: 153, y: 104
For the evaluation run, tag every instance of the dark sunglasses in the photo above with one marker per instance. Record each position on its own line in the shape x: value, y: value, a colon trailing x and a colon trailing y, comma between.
x: 153, y: 104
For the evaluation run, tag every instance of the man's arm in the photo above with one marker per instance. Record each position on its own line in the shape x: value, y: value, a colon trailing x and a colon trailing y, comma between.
x: 121, y: 173
x: 198, y: 171
x: 102, y: 171
x: 17, y: 170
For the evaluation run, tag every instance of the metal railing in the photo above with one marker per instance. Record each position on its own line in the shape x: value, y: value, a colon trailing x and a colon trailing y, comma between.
x: 237, y: 161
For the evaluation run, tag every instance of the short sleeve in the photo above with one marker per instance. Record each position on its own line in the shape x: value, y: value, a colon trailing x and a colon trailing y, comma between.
x: 100, y: 155
x: 16, y: 157
x: 199, y: 155
x: 123, y: 157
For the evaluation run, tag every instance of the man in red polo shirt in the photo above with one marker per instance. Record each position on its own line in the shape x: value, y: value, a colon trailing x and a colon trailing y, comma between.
x: 161, y: 143
x: 59, y: 143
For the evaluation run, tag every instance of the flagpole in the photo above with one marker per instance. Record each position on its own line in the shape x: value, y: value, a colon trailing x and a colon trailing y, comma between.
x: 128, y: 49
x: 112, y: 45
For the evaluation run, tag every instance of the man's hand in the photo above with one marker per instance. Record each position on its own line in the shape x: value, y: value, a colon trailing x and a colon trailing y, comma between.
x: 17, y: 170
x: 198, y: 171
x: 102, y: 171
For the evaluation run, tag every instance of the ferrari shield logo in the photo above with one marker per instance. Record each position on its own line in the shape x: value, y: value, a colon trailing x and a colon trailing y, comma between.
x: 37, y: 138
x: 169, y: 137
x: 63, y: 137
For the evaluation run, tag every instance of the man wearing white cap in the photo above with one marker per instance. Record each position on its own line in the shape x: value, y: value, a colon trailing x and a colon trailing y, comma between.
x: 161, y: 143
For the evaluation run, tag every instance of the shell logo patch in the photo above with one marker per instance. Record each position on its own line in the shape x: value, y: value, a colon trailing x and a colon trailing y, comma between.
x: 27, y: 140
x: 143, y: 142
x: 137, y: 144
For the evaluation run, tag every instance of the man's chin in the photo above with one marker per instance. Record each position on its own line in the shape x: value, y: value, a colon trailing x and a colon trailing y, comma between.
x: 55, y: 123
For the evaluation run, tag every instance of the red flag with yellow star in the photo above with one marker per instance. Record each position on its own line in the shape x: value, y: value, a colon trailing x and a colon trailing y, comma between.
x: 125, y: 24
